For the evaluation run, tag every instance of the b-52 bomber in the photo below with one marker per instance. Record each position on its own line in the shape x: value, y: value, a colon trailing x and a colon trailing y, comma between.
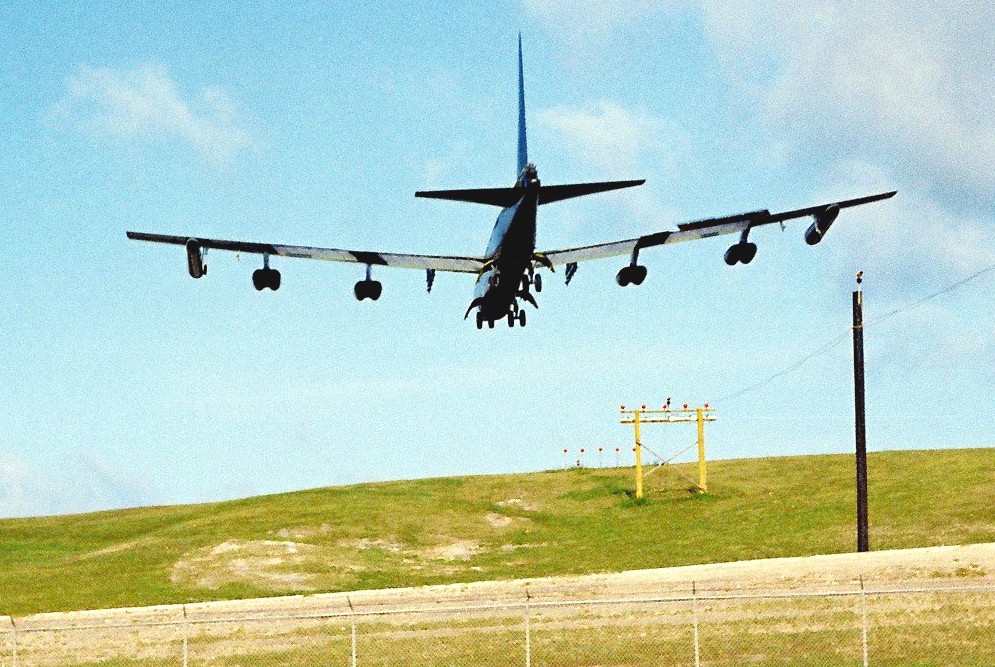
x: 508, y: 273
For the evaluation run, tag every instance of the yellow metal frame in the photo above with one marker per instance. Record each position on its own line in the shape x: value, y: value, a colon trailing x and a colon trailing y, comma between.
x: 666, y: 416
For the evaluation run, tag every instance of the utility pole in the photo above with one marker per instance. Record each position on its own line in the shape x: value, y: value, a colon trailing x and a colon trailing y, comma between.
x: 858, y: 399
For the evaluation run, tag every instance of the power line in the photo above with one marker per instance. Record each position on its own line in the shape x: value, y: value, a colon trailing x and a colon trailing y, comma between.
x: 839, y: 339
x: 948, y: 288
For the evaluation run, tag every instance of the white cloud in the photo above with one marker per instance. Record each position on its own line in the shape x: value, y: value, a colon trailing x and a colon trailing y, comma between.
x: 608, y: 136
x: 617, y: 143
x: 83, y: 483
x: 145, y: 104
x: 581, y: 21
x: 889, y: 95
x: 905, y: 83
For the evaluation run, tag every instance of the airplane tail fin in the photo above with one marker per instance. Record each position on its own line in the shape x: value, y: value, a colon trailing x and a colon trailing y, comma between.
x: 523, y: 149
x: 505, y: 197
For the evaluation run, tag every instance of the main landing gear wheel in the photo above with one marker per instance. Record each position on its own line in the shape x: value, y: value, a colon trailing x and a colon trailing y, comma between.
x: 537, y: 283
x: 521, y: 318
x: 631, y: 275
x: 490, y: 324
x: 263, y: 278
x: 480, y: 320
x: 368, y: 289
x: 741, y: 252
x: 511, y: 319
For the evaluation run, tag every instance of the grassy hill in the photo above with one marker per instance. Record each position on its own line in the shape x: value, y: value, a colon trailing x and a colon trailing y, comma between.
x: 489, y: 527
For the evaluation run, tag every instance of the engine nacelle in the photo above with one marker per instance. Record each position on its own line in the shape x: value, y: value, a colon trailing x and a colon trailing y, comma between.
x: 823, y: 221
x: 195, y: 259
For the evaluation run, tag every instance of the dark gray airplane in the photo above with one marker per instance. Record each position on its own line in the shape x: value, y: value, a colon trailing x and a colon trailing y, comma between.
x: 508, y: 271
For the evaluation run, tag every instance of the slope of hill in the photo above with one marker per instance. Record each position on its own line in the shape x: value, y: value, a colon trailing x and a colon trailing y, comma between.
x: 490, y: 527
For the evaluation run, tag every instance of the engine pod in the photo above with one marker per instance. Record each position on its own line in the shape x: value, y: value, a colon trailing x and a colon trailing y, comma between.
x: 823, y: 221
x: 195, y: 259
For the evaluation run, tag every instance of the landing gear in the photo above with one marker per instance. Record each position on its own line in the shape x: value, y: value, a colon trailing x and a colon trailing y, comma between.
x: 263, y: 278
x: 368, y: 289
x: 480, y: 320
x: 533, y: 280
x: 516, y: 314
x: 634, y: 274
x: 741, y: 252
x: 744, y: 251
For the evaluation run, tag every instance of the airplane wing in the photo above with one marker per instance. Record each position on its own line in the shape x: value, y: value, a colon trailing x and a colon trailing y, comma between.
x: 455, y: 264
x: 823, y: 215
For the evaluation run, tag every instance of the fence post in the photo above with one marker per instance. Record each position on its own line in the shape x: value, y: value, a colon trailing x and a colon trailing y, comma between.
x: 352, y: 621
x: 694, y: 616
x: 528, y: 630
x: 186, y: 638
x: 863, y: 615
x: 13, y: 640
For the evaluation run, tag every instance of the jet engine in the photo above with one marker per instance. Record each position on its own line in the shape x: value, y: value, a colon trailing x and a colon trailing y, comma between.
x: 823, y: 221
x: 195, y: 259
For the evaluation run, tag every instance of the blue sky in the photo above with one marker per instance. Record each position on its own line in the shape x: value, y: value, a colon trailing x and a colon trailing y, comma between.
x: 124, y: 382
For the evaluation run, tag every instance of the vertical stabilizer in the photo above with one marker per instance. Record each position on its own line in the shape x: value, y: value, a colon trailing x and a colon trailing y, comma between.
x: 523, y: 149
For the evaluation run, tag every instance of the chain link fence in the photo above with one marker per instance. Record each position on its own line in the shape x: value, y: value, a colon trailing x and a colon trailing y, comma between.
x: 910, y: 626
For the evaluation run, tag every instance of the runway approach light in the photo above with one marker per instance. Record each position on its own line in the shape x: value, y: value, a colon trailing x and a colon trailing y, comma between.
x: 699, y: 415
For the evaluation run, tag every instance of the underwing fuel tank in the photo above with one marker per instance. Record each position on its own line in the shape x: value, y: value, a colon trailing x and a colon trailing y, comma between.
x: 195, y: 259
x: 823, y: 221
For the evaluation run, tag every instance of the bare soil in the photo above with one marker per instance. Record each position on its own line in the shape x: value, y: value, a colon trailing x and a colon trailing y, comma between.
x: 932, y: 567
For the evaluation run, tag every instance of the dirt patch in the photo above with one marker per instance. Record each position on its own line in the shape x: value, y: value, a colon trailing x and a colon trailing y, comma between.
x: 458, y: 550
x: 304, y: 532
x: 498, y: 520
x: 511, y: 548
x: 518, y: 502
x: 264, y: 563
x: 364, y: 544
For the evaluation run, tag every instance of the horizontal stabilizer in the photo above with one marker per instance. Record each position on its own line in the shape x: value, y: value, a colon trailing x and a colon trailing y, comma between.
x: 502, y: 197
x: 552, y: 193
x: 505, y: 197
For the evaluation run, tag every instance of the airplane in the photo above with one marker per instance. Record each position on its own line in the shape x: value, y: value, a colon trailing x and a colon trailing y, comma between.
x: 508, y: 271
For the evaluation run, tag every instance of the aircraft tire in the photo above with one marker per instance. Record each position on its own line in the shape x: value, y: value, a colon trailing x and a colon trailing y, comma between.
x: 638, y: 275
x: 511, y: 320
x: 258, y: 280
x: 490, y: 324
x: 622, y: 277
x: 748, y: 252
x: 521, y: 318
x: 274, y: 279
x: 537, y: 283
x: 732, y: 255
x: 480, y: 320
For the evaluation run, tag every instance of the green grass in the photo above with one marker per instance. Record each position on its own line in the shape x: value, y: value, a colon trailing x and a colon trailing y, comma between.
x: 570, y: 522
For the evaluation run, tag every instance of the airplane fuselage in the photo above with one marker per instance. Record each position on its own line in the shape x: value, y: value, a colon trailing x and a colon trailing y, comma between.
x: 510, y: 252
